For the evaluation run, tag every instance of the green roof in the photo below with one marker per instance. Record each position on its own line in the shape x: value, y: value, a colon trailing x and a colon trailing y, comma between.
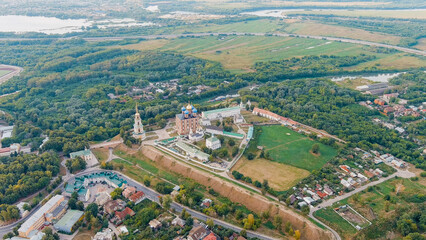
x: 233, y: 134
x: 206, y: 113
x: 84, y: 152
x: 68, y: 220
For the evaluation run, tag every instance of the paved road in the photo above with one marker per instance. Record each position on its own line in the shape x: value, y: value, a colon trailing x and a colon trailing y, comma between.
x: 367, y: 43
x: 106, y: 144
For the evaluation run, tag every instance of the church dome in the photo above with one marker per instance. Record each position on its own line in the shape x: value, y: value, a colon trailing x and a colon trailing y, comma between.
x: 183, y: 109
x: 186, y: 112
x: 189, y: 107
x: 194, y: 110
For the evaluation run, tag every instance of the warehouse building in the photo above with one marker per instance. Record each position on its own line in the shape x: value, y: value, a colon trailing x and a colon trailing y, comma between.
x: 68, y: 221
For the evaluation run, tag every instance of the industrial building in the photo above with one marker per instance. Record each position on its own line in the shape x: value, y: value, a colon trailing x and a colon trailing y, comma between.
x: 45, y: 214
x: 68, y: 221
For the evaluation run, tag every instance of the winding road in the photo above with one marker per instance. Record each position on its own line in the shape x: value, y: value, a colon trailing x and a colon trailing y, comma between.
x: 170, y: 36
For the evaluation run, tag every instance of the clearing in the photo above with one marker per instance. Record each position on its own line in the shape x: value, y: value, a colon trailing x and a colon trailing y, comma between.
x: 280, y: 176
x: 353, y: 83
x: 288, y: 147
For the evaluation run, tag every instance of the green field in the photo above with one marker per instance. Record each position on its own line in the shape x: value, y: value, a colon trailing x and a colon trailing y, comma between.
x: 241, y: 52
x: 288, y: 147
x: 4, y: 72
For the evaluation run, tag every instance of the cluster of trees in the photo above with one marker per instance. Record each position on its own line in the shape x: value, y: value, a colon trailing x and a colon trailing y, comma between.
x: 25, y: 174
x: 24, y: 133
x: 307, y: 66
x: 74, y: 203
x: 9, y: 212
x: 75, y: 164
x: 264, y: 186
x: 413, y: 86
x: 324, y: 105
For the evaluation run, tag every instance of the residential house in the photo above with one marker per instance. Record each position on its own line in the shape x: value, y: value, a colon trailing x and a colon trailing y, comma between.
x: 155, y: 224
x: 114, y: 205
x: 128, y: 191
x: 198, y: 233
x: 120, y: 216
x: 211, y: 236
x: 178, y: 222
x: 328, y: 190
x: 206, y: 202
x: 137, y: 197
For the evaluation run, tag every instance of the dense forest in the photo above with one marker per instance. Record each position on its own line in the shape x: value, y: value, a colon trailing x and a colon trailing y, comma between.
x: 26, y: 174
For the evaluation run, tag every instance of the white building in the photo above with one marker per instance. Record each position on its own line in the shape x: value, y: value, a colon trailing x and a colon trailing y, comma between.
x: 86, y: 155
x: 213, y: 143
x: 193, y: 152
x: 106, y: 234
x: 221, y: 113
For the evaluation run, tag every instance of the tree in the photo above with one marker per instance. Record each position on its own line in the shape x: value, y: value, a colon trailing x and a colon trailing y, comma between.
x: 249, y: 222
x: 210, y: 223
x: 167, y: 201
x: 305, y: 210
x: 147, y: 180
x: 116, y: 193
x: 315, y: 148
x: 93, y: 209
x: 278, y: 221
x: 243, y: 233
x: 250, y: 156
x: 297, y: 234
x: 231, y: 142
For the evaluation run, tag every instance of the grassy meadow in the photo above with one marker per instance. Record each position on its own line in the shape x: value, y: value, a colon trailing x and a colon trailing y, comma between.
x: 288, y: 147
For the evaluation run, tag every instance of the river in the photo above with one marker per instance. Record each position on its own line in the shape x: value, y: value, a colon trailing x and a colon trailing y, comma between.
x: 381, y: 77
x: 52, y: 25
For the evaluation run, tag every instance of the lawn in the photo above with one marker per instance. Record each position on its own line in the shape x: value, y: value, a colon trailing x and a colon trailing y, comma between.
x: 101, y: 154
x: 288, y: 147
x: 4, y: 72
x: 280, y: 176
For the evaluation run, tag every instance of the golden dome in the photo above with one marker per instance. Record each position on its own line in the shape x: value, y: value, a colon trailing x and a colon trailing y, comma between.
x: 189, y: 107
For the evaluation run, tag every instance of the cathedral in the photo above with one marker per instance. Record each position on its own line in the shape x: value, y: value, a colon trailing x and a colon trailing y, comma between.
x: 188, y: 121
x: 138, y: 131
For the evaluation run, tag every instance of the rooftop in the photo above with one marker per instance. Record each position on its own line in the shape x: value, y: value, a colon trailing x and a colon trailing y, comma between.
x: 69, y: 219
x: 84, y: 152
x: 206, y: 113
x: 40, y: 213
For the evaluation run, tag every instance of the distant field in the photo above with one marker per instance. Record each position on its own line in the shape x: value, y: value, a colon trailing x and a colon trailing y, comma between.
x: 280, y: 176
x: 353, y: 83
x: 288, y: 147
x: 264, y: 25
x: 241, y: 52
x: 4, y: 72
x: 314, y: 28
x: 394, y: 61
x: 421, y: 45
x: 371, y: 13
